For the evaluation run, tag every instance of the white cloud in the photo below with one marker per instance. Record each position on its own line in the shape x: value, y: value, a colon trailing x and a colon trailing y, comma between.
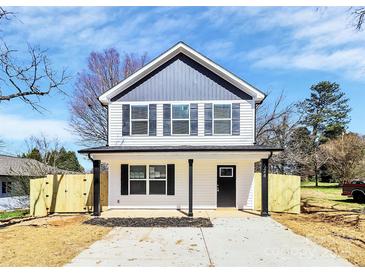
x: 322, y: 40
x: 19, y: 128
x: 285, y: 38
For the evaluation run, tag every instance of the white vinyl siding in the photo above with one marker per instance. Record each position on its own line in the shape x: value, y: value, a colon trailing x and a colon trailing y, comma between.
x: 204, y: 184
x: 246, y: 136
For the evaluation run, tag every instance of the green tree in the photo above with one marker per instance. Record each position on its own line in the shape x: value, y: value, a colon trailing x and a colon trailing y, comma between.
x: 60, y: 158
x: 33, y: 154
x: 64, y: 159
x: 326, y: 115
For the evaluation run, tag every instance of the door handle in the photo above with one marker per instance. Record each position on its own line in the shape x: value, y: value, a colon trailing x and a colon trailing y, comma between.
x: 217, y: 188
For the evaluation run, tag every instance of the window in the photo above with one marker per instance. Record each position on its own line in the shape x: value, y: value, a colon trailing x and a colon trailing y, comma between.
x: 180, y: 119
x: 222, y: 119
x: 5, y: 187
x: 137, y: 180
x: 139, y: 120
x: 225, y: 172
x: 157, y: 179
x: 154, y: 184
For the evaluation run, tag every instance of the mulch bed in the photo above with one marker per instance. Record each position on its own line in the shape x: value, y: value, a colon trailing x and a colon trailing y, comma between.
x: 150, y: 222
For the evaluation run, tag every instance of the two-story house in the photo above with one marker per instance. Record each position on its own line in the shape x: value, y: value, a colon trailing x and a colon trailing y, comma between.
x: 181, y: 135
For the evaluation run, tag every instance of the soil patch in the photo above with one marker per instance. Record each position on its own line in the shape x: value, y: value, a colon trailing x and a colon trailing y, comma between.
x: 330, y: 220
x: 50, y: 241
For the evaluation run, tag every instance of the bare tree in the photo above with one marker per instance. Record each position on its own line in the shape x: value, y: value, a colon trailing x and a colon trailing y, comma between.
x: 345, y: 155
x: 276, y: 123
x: 105, y: 70
x: 359, y: 17
x: 29, y: 79
x: 47, y: 148
x: 268, y: 114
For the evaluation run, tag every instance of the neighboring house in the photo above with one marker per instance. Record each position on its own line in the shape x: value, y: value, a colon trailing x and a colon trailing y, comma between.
x: 15, y: 174
x: 181, y: 135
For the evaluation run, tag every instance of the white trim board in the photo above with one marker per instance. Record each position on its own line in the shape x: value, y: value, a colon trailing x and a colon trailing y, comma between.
x: 196, y: 56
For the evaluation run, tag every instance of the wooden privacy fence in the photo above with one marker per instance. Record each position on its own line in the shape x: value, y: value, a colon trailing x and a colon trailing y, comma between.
x: 65, y: 193
x: 74, y: 193
x: 284, y: 193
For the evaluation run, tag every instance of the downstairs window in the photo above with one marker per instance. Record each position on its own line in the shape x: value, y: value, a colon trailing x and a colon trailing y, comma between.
x: 153, y: 184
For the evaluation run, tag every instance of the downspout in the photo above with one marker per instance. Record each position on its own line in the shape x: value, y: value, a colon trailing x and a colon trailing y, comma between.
x: 88, y: 156
x: 270, y: 155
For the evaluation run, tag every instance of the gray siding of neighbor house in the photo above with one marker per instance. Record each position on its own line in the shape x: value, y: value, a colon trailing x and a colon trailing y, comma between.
x: 181, y: 79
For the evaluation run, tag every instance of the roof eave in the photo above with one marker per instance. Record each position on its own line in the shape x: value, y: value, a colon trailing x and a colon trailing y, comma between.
x: 90, y: 151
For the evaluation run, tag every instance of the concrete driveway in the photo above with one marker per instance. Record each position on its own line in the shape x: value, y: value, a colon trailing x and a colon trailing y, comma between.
x: 247, y: 240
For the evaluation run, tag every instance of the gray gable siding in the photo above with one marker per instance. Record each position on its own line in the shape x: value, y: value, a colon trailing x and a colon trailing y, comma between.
x: 181, y: 78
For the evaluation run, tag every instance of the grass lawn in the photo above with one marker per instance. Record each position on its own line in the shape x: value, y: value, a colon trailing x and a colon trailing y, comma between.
x: 327, y: 195
x: 13, y: 214
x: 330, y: 219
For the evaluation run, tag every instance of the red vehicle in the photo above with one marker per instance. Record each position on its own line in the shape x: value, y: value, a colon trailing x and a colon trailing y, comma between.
x: 355, y: 189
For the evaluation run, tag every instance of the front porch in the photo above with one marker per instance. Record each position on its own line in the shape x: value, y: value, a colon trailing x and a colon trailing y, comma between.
x: 193, y: 180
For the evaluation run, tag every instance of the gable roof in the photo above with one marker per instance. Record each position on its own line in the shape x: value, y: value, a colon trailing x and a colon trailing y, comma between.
x: 188, y: 51
x: 16, y: 166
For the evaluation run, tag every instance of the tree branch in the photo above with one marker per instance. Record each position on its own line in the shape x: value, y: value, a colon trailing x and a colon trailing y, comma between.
x: 34, y: 79
x: 359, y: 15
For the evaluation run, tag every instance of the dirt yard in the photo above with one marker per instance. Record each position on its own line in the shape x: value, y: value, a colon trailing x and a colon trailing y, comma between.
x: 51, y: 241
x: 330, y: 220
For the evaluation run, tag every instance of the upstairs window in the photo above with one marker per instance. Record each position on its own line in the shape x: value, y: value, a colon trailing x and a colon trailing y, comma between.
x: 180, y: 118
x: 222, y: 119
x: 139, y: 120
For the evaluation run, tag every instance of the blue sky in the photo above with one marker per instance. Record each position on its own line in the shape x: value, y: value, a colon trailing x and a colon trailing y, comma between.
x: 276, y: 49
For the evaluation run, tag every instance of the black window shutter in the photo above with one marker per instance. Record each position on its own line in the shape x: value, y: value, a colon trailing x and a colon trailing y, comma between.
x: 208, y: 119
x: 126, y: 119
x: 124, y: 179
x: 193, y: 119
x: 171, y: 179
x: 166, y: 119
x: 152, y: 120
x: 235, y: 119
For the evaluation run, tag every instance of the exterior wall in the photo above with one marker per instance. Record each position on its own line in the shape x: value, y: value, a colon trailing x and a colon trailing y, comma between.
x: 180, y: 79
x: 16, y: 187
x: 246, y: 137
x: 204, y: 184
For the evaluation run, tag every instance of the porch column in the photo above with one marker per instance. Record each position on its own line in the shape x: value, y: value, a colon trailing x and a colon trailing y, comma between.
x: 264, y: 187
x: 190, y: 213
x: 96, y: 172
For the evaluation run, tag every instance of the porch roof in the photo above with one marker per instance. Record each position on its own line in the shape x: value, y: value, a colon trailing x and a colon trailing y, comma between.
x: 127, y: 149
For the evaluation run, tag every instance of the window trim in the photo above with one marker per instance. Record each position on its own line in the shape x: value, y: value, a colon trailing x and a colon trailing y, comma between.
x: 225, y: 176
x: 221, y: 119
x: 147, y: 179
x: 179, y: 119
x: 136, y: 120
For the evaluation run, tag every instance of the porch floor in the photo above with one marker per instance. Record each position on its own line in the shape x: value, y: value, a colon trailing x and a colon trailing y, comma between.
x: 154, y: 213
